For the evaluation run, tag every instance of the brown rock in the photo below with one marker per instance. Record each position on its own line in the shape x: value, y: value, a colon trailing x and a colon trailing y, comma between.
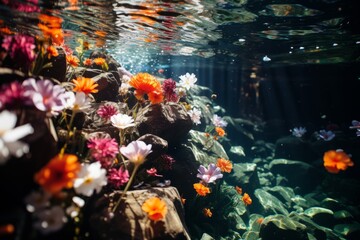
x: 169, y: 121
x: 131, y: 222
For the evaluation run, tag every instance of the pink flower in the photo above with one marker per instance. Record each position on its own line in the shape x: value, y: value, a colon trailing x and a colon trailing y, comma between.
x: 23, y: 6
x: 45, y: 95
x: 136, y: 151
x: 153, y: 172
x: 20, y: 49
x: 210, y: 174
x: 169, y: 92
x: 118, y: 177
x: 12, y: 95
x: 103, y: 150
x: 106, y: 111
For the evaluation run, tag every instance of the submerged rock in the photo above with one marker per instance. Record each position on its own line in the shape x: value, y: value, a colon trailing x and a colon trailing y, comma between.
x: 169, y: 121
x: 291, y: 147
x: 131, y: 222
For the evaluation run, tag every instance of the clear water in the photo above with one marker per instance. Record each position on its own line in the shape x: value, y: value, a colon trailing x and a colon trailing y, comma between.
x: 276, y: 64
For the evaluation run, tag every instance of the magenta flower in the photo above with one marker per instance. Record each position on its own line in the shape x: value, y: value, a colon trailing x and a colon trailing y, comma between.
x: 103, y: 150
x: 169, y: 87
x: 20, y: 49
x: 118, y: 177
x: 23, y: 6
x: 45, y: 95
x: 12, y: 95
x: 165, y: 162
x: 153, y: 172
x: 106, y: 111
x: 210, y: 174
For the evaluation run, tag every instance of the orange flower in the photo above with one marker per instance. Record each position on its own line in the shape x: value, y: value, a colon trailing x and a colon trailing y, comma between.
x: 334, y: 161
x: 246, y: 199
x: 87, y: 62
x: 183, y: 200
x: 207, y: 135
x: 201, y: 189
x: 59, y: 173
x: 99, y: 61
x: 155, y: 208
x: 224, y: 165
x: 52, y: 51
x: 51, y: 28
x: 220, y: 131
x: 86, y: 85
x: 238, y: 189
x: 156, y: 97
x: 207, y: 212
x: 72, y: 60
x: 145, y: 83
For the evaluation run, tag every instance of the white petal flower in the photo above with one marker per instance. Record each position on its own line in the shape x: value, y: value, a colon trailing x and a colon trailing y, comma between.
x: 9, y: 136
x: 78, y: 102
x: 122, y: 121
x: 219, y: 121
x: 90, y: 178
x: 195, y: 115
x: 50, y: 220
x: 136, y: 151
x: 187, y: 81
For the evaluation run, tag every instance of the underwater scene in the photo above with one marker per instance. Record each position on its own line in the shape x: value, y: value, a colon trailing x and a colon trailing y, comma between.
x: 184, y: 119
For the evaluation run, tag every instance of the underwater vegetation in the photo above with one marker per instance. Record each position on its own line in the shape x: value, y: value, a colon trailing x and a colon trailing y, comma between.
x: 89, y: 150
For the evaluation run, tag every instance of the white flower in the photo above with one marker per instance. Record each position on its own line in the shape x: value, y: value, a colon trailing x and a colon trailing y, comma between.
x: 195, y: 115
x: 50, y: 220
x: 9, y: 136
x: 37, y: 200
x: 124, y: 88
x: 90, y: 178
x: 78, y: 102
x: 187, y: 81
x: 219, y: 121
x: 136, y: 151
x: 122, y: 121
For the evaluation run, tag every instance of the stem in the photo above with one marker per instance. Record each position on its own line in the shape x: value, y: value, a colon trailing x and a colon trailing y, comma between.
x: 127, y: 187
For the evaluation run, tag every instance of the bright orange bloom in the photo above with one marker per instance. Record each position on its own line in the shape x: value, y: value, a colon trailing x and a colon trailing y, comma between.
x: 85, y: 85
x: 59, y: 173
x: 183, y: 200
x: 246, y: 199
x: 87, y: 62
x: 155, y: 208
x: 334, y: 161
x: 201, y: 189
x: 220, y: 131
x: 72, y: 60
x: 224, y: 165
x: 207, y: 135
x: 207, y: 212
x: 238, y: 189
x: 99, y: 61
x: 51, y: 28
x: 52, y: 51
x: 145, y: 83
x: 155, y: 97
